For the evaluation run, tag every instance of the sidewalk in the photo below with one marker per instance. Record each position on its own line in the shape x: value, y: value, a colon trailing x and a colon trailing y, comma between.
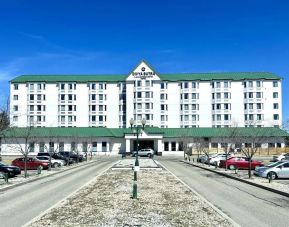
x: 276, y: 186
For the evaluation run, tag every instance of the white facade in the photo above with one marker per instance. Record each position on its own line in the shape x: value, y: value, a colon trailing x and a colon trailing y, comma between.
x: 163, y: 100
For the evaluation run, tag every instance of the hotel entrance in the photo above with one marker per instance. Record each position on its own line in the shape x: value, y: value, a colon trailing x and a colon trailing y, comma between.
x: 144, y: 144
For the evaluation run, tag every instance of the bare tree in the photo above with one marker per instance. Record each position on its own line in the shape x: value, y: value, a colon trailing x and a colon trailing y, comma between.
x: 251, y: 141
x: 23, y: 140
x: 201, y: 145
x: 4, y: 123
x: 185, y: 143
x: 53, y: 145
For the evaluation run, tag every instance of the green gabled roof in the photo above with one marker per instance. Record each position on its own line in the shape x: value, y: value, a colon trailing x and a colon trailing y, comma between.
x: 166, y: 132
x: 165, y: 77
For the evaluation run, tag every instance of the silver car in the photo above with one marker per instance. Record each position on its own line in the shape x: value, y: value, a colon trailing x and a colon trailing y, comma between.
x: 277, y: 169
x: 145, y: 152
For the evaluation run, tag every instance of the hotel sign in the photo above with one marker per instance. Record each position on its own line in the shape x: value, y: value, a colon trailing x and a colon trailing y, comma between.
x: 143, y: 74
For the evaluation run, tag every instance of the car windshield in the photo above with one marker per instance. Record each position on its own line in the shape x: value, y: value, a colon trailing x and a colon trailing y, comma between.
x: 274, y: 164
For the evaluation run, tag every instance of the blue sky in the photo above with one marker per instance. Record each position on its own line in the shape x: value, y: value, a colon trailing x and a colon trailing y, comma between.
x: 95, y: 37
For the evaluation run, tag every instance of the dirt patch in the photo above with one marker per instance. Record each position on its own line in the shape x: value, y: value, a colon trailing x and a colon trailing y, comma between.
x: 163, y: 201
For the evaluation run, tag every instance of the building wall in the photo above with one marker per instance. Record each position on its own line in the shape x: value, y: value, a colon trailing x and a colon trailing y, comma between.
x: 169, y: 104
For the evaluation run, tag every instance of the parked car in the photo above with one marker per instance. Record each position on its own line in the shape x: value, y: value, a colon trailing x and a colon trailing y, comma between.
x: 32, y: 163
x: 11, y: 170
x: 283, y: 156
x: 56, y: 155
x: 54, y: 162
x: 277, y: 169
x: 215, y: 159
x: 144, y: 152
x: 239, y: 163
x: 72, y: 155
x: 205, y: 158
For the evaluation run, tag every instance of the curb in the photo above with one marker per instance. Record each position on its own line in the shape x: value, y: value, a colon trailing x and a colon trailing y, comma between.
x: 205, y: 200
x: 42, y: 177
x: 241, y: 180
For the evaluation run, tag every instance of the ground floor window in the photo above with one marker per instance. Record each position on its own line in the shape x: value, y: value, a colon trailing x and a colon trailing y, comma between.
x: 61, y: 146
x: 104, y: 146
x: 174, y: 146
x: 94, y: 146
x: 166, y: 146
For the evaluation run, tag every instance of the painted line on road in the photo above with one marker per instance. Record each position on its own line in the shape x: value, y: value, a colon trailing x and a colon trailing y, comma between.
x: 241, y: 180
x: 204, y: 199
x: 61, y: 202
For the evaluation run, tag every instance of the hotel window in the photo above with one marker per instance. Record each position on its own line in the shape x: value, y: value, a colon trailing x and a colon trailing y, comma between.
x: 226, y: 84
x: 251, y: 117
x: 258, y: 95
x: 195, y: 106
x: 38, y: 107
x: 218, y: 84
x: 62, y: 86
x: 62, y: 108
x: 31, y: 97
x: 31, y: 86
x: 276, y: 117
x: 275, y: 106
x: 194, y: 85
x: 69, y: 118
x: 31, y: 108
x: 259, y: 117
x: 250, y: 84
x: 275, y: 83
x: 218, y: 117
x: 194, y: 117
x: 15, y: 97
x: 258, y: 83
x: 227, y: 117
x: 259, y: 106
x: 226, y: 95
x: 70, y: 97
x: 147, y: 83
x: 226, y: 106
x: 163, y: 85
x: 218, y: 95
x: 174, y: 146
x: 101, y: 97
x: 194, y: 96
x: 15, y: 86
x: 38, y: 118
x: 15, y: 118
x: 275, y: 95
x: 15, y: 108
x: 138, y: 94
x: 162, y: 117
x: 51, y: 146
x: 41, y: 147
x: 218, y: 106
x: 62, y: 97
x: 186, y: 117
x: 38, y: 86
x: 186, y: 107
x: 186, y: 96
x: 70, y: 86
x: 62, y: 119
x: 93, y: 86
x: 186, y: 85
x: 139, y: 117
x: 139, y: 83
x: 250, y: 106
x: 166, y: 146
x: 84, y: 146
x: 250, y: 95
x: 164, y: 107
x: 139, y: 106
x: 93, y: 118
x: 147, y: 106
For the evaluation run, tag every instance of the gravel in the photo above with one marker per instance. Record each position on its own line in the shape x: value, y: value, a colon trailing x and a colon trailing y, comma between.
x: 106, y: 201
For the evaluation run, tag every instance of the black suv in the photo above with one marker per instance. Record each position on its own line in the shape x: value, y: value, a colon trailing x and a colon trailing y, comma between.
x: 72, y: 155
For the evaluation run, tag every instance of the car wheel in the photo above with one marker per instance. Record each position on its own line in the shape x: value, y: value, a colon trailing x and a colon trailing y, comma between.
x: 232, y: 167
x: 149, y: 155
x: 55, y: 165
x: 274, y: 175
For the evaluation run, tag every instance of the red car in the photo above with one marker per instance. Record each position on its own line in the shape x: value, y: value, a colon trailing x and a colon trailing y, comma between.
x: 32, y: 163
x: 239, y: 163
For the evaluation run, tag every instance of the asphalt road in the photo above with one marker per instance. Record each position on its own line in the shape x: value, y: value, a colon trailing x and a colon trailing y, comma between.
x: 21, y: 204
x: 245, y: 204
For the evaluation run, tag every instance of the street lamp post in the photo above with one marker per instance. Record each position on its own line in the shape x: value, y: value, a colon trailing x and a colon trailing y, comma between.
x: 136, y: 130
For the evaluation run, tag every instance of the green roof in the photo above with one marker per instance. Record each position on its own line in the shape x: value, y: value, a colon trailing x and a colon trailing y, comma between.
x: 166, y: 132
x: 164, y: 77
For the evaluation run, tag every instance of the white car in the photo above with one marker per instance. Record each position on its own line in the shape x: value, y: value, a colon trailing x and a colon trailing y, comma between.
x: 277, y: 169
x: 281, y: 157
x: 54, y: 162
x: 144, y: 152
x: 215, y: 160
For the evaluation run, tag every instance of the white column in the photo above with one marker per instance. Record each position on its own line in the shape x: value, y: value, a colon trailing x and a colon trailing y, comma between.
x: 177, y: 146
x: 99, y: 147
x: 160, y: 146
x: 107, y: 146
x: 127, y: 146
